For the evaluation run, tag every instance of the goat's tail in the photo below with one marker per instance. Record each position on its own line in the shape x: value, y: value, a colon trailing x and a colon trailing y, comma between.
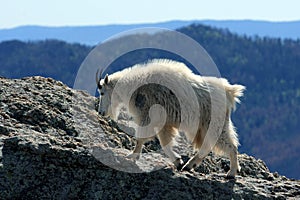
x: 233, y: 93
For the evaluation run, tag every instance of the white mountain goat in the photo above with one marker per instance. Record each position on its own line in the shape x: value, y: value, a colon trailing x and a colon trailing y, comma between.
x: 172, y: 85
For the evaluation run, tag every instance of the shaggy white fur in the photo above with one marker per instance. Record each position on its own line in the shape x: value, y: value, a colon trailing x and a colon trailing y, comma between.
x: 165, y: 97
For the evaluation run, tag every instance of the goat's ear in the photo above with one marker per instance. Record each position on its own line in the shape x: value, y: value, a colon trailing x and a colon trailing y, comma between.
x: 106, y: 79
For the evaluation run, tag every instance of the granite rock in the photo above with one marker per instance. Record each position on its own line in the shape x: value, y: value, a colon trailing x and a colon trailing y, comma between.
x: 54, y: 145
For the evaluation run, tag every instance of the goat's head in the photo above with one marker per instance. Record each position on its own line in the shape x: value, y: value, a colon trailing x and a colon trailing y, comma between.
x: 105, y: 91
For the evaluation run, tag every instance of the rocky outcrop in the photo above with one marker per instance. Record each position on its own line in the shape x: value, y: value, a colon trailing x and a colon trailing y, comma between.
x: 54, y: 145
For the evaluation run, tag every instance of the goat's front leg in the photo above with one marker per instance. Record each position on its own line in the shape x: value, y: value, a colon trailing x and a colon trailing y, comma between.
x: 137, y: 149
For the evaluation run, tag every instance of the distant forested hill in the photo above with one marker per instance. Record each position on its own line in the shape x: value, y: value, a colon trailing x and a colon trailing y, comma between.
x: 268, y: 119
x: 50, y: 58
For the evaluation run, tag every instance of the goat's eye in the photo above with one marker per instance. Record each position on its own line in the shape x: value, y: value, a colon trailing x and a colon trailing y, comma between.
x: 102, y: 93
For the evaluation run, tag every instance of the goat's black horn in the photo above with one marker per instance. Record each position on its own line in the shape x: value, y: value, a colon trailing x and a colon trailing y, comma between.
x: 98, y: 78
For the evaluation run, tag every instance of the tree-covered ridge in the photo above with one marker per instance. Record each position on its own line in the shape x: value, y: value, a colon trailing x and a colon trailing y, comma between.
x: 50, y: 58
x: 268, y: 118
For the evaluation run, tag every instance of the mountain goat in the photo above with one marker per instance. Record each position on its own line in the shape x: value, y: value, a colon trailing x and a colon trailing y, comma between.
x: 187, y: 102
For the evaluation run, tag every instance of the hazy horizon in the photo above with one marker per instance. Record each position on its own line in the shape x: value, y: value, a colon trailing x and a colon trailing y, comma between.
x: 93, y: 13
x: 158, y: 22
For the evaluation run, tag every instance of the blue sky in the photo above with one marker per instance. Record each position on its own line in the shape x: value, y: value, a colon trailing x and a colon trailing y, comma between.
x: 15, y: 13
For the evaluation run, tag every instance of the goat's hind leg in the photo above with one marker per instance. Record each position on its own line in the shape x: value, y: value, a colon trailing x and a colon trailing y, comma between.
x: 202, y: 151
x: 166, y: 138
x: 195, y: 161
x: 234, y: 165
x: 231, y: 151
x: 228, y: 144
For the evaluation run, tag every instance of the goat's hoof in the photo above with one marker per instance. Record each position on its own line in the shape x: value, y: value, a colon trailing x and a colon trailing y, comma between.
x: 239, y: 168
x: 230, y: 175
x: 133, y: 156
x: 187, y: 167
x: 178, y: 163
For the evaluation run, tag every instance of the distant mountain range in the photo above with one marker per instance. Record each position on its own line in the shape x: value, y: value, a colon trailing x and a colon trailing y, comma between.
x: 92, y: 35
